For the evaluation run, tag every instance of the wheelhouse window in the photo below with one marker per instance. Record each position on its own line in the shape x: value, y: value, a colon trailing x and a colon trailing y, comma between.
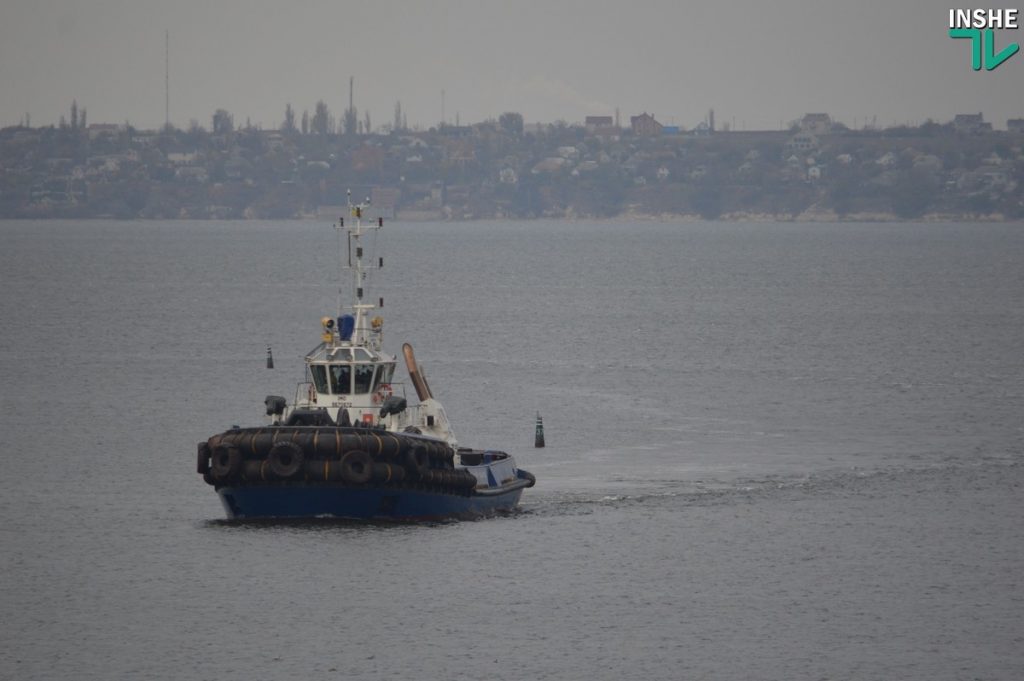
x: 341, y: 379
x: 319, y: 372
x: 382, y: 376
x: 364, y: 378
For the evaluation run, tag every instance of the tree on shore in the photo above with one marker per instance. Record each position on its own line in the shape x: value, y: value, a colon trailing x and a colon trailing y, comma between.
x: 289, y: 119
x: 351, y: 121
x: 912, y: 194
x: 511, y: 122
x: 321, y: 119
x: 223, y: 123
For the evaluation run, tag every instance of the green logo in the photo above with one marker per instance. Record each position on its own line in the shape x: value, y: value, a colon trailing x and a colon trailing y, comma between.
x: 983, y: 48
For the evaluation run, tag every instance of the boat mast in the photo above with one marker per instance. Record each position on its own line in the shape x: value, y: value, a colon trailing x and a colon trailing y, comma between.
x: 359, y: 270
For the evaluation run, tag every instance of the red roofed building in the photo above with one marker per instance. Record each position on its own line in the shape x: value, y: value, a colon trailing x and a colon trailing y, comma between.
x: 644, y: 124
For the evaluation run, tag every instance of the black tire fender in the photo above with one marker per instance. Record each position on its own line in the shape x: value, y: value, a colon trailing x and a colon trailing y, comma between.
x: 225, y: 462
x: 203, y: 458
x: 356, y: 467
x: 285, y: 459
x: 417, y: 462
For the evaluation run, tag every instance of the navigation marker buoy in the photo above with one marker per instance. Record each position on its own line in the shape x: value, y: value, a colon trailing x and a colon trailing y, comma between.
x: 538, y: 438
x: 270, y: 358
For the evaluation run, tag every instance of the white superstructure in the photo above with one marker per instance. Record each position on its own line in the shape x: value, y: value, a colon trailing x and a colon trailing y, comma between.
x: 348, y: 375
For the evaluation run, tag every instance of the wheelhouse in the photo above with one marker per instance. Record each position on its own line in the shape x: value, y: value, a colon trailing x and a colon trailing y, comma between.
x: 350, y: 371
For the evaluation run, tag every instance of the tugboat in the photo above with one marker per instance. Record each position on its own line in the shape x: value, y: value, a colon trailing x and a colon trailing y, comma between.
x: 350, y: 445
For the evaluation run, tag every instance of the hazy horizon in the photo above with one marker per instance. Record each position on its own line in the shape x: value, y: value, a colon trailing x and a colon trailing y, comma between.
x: 758, y: 65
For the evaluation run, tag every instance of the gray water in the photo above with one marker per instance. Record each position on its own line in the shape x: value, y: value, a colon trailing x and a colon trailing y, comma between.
x: 774, y: 452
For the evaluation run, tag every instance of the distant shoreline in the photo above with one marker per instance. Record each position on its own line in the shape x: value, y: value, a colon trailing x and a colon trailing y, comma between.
x: 933, y: 173
x: 737, y: 218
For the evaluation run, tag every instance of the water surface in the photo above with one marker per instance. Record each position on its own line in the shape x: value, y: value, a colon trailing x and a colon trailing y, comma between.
x: 774, y: 452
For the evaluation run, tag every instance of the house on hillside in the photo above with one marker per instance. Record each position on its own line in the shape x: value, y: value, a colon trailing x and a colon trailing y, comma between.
x: 645, y: 125
x: 816, y: 123
x: 272, y: 139
x: 971, y: 124
x: 98, y: 130
x: 183, y: 158
x: 803, y: 142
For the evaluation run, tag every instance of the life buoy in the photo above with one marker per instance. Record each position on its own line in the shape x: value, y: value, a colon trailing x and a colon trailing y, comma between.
x: 285, y: 459
x: 225, y: 462
x: 383, y: 393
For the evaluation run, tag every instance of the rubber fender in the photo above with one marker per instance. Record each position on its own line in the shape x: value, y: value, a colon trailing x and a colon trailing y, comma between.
x: 388, y: 473
x: 225, y: 462
x: 350, y: 440
x: 372, y: 444
x: 416, y: 461
x: 260, y: 443
x: 316, y: 416
x: 254, y: 470
x: 391, y: 446
x: 323, y: 470
x: 327, y: 443
x: 285, y: 459
x: 356, y: 467
x: 443, y: 455
x: 203, y: 458
x: 303, y: 437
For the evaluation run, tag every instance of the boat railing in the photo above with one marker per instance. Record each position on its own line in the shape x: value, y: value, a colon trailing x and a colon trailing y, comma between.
x: 306, y: 390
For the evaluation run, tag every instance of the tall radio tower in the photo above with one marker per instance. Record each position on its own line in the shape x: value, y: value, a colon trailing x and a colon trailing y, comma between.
x: 167, y: 78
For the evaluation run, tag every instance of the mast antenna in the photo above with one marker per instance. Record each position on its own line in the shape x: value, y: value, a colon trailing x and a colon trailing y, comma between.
x: 355, y: 231
x: 167, y: 78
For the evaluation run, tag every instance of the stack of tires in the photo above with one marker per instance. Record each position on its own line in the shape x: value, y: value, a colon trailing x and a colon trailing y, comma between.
x: 347, y: 455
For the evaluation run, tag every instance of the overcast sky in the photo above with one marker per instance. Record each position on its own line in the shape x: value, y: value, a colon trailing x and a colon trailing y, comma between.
x: 758, y: 63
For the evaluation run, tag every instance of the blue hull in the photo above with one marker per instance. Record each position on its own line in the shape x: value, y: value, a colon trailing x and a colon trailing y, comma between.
x: 304, y: 500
